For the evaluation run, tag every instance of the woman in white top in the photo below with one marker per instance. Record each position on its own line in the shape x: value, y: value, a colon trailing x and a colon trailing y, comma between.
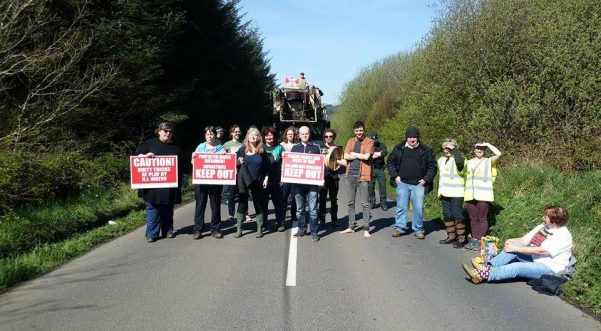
x: 543, y: 251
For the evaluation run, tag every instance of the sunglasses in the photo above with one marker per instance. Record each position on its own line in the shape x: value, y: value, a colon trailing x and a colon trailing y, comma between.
x: 328, y: 136
x: 167, y: 130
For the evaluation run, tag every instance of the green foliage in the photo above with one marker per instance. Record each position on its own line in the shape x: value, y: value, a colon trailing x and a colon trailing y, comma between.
x: 525, y: 81
x: 521, y: 195
x: 29, y: 227
x: 46, y: 257
x: 30, y: 178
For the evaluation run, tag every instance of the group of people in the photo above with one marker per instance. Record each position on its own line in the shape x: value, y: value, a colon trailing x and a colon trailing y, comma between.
x: 412, y: 168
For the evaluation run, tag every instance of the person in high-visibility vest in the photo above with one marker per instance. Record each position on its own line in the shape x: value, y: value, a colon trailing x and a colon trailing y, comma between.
x: 451, y: 189
x: 481, y: 172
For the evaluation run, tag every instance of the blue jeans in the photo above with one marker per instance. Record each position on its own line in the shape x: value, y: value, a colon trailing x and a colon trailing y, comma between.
x: 522, y: 266
x: 404, y: 192
x: 158, y: 218
x: 302, y: 194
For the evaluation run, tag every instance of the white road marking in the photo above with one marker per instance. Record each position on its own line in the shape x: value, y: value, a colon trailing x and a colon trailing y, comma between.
x: 292, y: 252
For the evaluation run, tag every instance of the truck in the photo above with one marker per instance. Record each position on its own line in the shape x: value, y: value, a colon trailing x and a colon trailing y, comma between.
x: 298, y: 106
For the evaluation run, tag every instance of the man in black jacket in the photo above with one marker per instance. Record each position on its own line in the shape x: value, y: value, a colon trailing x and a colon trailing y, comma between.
x: 412, y: 168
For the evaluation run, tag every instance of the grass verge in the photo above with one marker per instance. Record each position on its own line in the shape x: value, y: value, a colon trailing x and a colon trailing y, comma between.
x: 44, y: 257
x: 522, y: 193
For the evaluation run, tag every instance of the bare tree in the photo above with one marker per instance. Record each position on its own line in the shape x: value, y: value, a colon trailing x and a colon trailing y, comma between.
x: 42, y: 76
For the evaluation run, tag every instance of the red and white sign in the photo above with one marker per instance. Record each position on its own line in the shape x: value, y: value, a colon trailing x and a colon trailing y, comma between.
x: 302, y: 168
x: 291, y: 82
x: 214, y: 169
x: 153, y: 172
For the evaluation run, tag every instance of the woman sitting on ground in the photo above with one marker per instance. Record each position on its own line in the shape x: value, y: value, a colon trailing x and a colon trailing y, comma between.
x: 543, y: 251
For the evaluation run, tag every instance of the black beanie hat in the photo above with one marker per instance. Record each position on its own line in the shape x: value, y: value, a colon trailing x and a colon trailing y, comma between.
x: 412, y: 131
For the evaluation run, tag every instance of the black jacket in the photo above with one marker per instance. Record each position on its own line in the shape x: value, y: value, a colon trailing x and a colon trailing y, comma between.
x: 164, y: 196
x: 427, y: 164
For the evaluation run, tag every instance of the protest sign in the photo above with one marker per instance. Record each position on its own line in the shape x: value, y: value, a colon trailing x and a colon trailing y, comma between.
x: 302, y: 168
x: 214, y: 169
x: 153, y: 172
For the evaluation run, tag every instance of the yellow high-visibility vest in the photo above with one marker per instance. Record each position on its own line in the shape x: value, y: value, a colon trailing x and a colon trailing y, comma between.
x: 480, y: 175
x: 451, y: 182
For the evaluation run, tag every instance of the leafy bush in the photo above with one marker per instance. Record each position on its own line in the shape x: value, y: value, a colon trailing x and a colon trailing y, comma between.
x: 29, y: 227
x: 526, y: 82
x: 27, y: 178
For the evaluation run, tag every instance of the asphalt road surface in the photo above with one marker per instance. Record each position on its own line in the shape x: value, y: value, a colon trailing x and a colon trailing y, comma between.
x: 343, y: 282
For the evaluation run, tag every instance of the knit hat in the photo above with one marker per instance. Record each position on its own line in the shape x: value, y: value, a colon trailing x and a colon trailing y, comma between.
x: 412, y: 131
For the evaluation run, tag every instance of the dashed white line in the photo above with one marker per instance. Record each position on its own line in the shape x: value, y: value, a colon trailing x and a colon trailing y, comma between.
x: 292, y: 252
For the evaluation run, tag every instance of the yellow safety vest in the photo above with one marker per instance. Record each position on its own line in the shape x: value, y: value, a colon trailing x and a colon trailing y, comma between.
x: 451, y: 183
x: 481, y: 173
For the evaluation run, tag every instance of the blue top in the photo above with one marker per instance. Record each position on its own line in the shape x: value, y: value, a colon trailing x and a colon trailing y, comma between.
x: 202, y: 148
x: 257, y: 164
x: 309, y: 148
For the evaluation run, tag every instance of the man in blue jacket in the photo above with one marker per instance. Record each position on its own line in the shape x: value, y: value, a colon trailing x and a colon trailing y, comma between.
x: 412, y: 168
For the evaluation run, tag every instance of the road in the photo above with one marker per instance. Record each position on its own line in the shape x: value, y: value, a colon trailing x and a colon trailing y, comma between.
x: 343, y: 282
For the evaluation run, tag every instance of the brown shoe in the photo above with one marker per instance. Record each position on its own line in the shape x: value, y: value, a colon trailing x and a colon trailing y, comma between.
x: 397, y: 233
x: 420, y: 235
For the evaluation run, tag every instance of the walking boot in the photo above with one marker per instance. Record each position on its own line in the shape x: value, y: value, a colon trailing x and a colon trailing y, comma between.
x: 384, y: 205
x: 460, y: 228
x: 451, y: 236
x: 239, y: 221
x: 259, y: 220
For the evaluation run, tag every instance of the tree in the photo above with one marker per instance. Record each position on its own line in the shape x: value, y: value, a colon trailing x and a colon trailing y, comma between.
x: 41, y: 73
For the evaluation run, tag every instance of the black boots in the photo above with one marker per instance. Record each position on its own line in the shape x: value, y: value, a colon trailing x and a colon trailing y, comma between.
x: 461, y: 238
x: 451, y: 235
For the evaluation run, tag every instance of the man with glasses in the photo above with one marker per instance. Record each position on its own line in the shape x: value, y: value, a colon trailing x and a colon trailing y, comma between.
x: 331, y: 183
x: 230, y: 191
x: 412, y: 168
x: 358, y: 154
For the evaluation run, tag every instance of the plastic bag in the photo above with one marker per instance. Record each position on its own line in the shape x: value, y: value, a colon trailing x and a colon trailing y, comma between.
x: 489, y: 248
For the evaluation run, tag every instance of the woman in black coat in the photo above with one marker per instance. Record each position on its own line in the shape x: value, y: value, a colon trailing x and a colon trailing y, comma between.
x: 160, y: 201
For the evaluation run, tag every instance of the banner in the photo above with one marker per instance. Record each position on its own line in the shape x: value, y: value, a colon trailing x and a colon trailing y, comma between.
x: 156, y: 172
x: 214, y: 169
x: 302, y: 168
x: 291, y: 82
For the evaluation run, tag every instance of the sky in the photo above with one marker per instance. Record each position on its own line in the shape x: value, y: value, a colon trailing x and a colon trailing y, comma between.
x: 332, y: 40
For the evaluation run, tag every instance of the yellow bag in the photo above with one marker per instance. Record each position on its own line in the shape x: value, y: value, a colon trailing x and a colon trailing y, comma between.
x: 489, y: 248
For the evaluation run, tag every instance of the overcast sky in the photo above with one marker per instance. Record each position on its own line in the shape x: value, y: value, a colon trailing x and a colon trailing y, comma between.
x: 331, y: 40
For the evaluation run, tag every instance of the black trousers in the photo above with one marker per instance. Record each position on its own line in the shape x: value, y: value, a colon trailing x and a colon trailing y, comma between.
x: 331, y: 186
x: 204, y: 193
x: 259, y: 197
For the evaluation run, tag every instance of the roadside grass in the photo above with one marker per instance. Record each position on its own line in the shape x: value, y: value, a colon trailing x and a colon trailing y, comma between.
x: 522, y: 193
x: 44, y: 258
x: 24, y: 229
x: 85, y: 227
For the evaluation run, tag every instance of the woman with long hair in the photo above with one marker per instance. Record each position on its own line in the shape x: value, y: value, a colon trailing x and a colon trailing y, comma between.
x: 289, y: 139
x: 273, y: 185
x: 252, y: 177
